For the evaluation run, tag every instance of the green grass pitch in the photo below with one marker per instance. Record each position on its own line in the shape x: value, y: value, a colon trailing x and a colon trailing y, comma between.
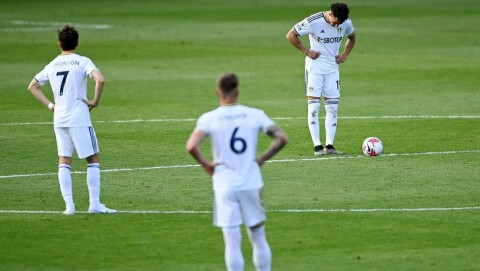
x: 411, y: 80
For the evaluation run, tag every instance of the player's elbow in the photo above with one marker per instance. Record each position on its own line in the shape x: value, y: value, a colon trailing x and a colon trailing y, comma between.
x: 98, y: 77
x: 190, y: 148
x: 32, y: 87
x: 101, y: 81
x: 288, y: 35
x: 291, y: 35
x: 283, y: 140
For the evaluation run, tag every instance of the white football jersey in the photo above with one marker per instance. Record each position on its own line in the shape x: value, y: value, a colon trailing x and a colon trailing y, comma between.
x: 67, y: 75
x: 325, y: 39
x: 234, y: 131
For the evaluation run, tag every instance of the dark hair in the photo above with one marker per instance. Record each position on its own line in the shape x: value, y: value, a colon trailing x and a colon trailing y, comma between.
x: 227, y: 83
x: 340, y: 10
x: 68, y: 37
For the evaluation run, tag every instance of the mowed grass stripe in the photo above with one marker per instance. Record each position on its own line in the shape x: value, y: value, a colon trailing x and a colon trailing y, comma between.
x: 271, y: 161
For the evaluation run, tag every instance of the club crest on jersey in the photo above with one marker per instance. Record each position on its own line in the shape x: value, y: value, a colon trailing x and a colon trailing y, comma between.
x: 339, y: 30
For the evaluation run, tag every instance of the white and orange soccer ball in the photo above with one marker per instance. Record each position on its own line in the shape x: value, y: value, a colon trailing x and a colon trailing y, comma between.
x: 372, y: 146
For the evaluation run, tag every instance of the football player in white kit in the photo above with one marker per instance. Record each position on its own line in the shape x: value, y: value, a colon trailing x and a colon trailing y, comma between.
x: 67, y: 75
x: 237, y: 181
x: 322, y: 77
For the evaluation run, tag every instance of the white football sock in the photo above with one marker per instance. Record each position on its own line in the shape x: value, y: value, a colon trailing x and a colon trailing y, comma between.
x: 331, y: 106
x: 65, y: 181
x: 312, y: 118
x: 232, y: 237
x: 262, y: 255
x: 93, y: 182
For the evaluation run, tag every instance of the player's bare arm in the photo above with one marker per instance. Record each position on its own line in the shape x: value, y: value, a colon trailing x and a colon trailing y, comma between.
x: 36, y: 90
x: 348, y: 48
x: 293, y: 38
x: 193, y: 147
x: 280, y: 139
x: 99, y: 85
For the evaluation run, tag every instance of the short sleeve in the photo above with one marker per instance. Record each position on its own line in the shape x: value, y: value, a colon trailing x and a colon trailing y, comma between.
x: 265, y: 121
x: 349, y: 30
x: 89, y: 67
x: 303, y: 27
x: 42, y: 77
x: 202, y: 124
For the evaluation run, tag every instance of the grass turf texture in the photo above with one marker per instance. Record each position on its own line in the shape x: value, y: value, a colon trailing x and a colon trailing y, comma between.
x: 412, y: 58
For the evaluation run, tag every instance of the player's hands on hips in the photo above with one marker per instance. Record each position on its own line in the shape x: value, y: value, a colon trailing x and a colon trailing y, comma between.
x: 91, y: 104
x: 210, y: 168
x: 340, y: 59
x: 259, y: 162
x: 312, y: 54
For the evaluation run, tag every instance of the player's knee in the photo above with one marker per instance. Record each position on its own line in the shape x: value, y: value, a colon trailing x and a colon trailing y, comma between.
x: 64, y: 160
x: 257, y: 230
x: 331, y: 105
x: 313, y: 106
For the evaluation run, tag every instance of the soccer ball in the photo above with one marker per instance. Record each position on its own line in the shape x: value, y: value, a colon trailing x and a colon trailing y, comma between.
x: 372, y: 146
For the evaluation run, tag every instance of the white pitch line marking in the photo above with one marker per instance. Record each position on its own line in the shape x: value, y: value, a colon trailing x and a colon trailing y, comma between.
x: 363, y: 210
x: 31, y: 26
x: 271, y: 161
x: 275, y: 118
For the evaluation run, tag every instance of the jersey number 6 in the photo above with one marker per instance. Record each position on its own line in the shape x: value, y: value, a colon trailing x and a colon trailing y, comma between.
x: 237, y: 144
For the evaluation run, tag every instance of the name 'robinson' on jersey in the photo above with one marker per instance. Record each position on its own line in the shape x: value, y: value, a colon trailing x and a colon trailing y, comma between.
x: 67, y: 74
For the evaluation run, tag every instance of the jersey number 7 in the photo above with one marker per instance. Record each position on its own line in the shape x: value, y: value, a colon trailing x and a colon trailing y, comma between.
x: 64, y: 74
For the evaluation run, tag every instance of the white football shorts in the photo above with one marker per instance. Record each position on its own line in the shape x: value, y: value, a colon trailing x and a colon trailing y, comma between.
x: 234, y: 208
x: 323, y: 85
x: 83, y: 140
